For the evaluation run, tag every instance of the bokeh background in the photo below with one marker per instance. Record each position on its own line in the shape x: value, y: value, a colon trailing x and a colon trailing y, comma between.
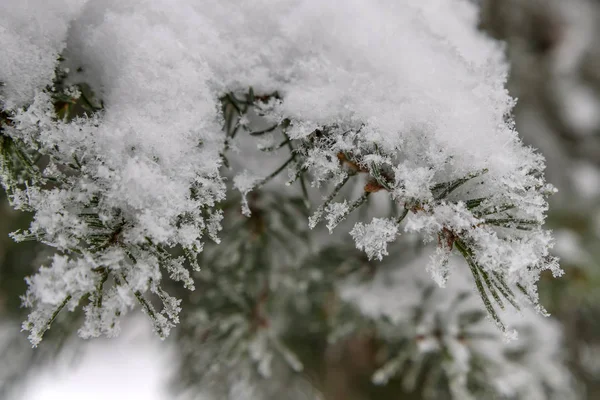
x: 553, y: 47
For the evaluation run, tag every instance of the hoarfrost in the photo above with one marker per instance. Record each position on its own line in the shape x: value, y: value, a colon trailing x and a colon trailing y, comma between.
x: 373, y: 238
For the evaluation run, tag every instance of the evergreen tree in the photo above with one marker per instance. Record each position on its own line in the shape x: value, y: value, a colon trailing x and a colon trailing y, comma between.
x: 184, y: 159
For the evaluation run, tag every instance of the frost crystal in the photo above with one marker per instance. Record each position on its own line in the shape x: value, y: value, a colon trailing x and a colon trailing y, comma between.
x: 373, y: 237
x: 245, y: 182
x: 336, y: 212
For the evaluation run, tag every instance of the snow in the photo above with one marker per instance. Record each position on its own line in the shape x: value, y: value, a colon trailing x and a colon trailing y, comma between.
x: 408, y: 93
x: 32, y: 34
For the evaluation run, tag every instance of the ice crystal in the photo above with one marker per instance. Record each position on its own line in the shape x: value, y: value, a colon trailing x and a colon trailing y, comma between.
x: 373, y: 238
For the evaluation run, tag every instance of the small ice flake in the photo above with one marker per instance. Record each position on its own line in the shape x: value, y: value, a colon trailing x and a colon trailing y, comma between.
x: 245, y: 182
x: 373, y: 238
x: 335, y: 213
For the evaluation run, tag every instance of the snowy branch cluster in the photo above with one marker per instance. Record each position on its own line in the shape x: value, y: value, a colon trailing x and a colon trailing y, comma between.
x: 113, y: 118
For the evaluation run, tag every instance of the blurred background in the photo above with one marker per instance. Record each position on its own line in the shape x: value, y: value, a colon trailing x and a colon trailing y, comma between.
x: 554, y: 51
x: 553, y: 47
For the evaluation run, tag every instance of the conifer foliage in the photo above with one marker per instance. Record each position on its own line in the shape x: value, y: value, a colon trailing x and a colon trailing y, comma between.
x: 186, y: 156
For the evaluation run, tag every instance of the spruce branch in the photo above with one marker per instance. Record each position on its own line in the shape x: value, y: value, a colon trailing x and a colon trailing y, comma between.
x: 475, y: 271
x: 318, y: 214
x: 334, y: 220
x: 272, y: 175
x: 444, y: 189
x: 37, y: 334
